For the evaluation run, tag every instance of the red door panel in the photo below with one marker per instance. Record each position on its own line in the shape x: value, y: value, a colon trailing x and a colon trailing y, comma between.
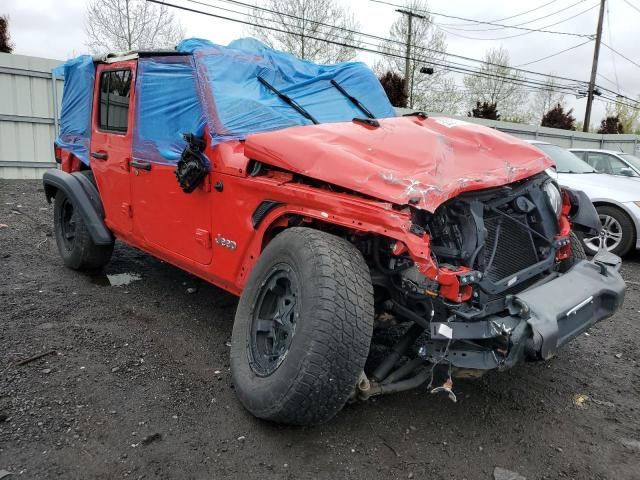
x: 166, y: 217
x: 112, y: 124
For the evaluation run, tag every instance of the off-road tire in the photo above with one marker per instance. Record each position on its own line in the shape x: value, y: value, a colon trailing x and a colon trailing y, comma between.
x: 577, y: 253
x: 332, y: 335
x: 80, y: 253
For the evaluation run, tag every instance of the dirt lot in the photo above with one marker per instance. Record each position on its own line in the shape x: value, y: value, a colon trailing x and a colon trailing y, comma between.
x: 139, y: 387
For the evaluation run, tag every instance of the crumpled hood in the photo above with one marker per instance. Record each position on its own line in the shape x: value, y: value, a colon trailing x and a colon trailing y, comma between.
x: 406, y: 160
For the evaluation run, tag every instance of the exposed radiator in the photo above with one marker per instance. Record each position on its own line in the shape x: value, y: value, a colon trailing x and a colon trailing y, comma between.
x: 509, y: 247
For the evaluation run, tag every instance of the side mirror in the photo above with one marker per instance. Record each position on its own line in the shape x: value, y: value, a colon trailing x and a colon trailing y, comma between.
x: 627, y: 172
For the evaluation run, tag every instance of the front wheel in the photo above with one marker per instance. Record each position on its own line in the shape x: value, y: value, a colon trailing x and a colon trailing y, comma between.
x: 618, y: 232
x: 303, y: 328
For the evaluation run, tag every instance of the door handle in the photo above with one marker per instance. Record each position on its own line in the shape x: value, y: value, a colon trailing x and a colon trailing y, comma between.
x: 100, y: 155
x: 140, y: 164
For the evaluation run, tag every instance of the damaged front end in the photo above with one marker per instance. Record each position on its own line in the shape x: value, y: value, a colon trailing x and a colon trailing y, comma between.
x: 488, y: 280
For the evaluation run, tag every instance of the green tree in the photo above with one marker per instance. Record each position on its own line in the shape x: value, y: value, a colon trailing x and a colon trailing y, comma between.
x: 558, y: 118
x: 611, y: 125
x: 393, y: 85
x: 485, y: 110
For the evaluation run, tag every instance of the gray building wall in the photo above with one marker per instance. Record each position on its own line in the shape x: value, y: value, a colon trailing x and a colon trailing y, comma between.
x: 27, y: 125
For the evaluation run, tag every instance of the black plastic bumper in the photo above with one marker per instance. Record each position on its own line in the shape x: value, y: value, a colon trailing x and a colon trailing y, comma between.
x: 542, y: 319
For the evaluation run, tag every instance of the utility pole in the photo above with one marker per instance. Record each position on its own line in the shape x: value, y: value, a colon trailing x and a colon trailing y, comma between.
x: 594, y: 69
x: 407, y: 60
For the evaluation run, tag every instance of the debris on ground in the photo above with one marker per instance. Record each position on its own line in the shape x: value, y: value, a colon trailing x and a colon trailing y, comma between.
x: 191, y: 290
x: 632, y: 444
x: 504, y: 474
x: 35, y: 357
x: 151, y: 438
x: 580, y: 399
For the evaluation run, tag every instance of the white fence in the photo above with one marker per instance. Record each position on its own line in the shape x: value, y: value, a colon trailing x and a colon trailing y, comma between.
x: 28, y: 123
x: 562, y: 138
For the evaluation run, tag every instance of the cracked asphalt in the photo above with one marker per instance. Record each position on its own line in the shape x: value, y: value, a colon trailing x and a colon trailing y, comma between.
x: 135, y: 383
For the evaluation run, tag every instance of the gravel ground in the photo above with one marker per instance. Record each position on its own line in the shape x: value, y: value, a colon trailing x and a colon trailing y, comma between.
x: 138, y: 386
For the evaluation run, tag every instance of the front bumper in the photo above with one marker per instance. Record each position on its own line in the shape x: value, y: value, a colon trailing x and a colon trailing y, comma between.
x: 540, y: 320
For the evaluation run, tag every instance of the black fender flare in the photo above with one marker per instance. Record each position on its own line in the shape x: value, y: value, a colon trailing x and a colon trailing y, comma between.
x: 85, y: 197
x: 583, y: 215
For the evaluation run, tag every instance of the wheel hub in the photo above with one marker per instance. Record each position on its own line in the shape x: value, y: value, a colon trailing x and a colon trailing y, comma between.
x: 611, y: 234
x: 68, y: 224
x: 274, y: 320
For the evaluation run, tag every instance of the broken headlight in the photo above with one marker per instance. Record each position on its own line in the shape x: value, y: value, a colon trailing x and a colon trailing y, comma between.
x: 554, y: 196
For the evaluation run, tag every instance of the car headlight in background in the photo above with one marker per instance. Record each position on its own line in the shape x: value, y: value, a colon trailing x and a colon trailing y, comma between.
x: 554, y: 196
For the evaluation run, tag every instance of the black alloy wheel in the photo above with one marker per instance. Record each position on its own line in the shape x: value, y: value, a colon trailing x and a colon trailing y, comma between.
x: 274, y: 320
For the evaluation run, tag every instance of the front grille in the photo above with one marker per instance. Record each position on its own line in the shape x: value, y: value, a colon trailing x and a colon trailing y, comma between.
x: 509, y: 247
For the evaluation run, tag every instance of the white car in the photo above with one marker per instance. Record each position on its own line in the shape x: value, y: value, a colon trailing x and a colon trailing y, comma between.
x: 616, y: 198
x: 610, y: 161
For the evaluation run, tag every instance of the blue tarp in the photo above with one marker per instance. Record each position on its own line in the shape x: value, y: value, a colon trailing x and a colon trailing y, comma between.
x: 218, y: 86
x: 167, y: 106
x: 77, y: 99
x: 236, y: 104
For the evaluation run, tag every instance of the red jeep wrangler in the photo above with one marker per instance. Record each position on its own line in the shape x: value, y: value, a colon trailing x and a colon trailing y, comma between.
x: 297, y: 187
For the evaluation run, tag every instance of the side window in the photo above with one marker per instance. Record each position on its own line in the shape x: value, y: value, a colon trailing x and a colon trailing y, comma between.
x: 580, y: 155
x: 617, y: 165
x: 115, y: 90
x: 599, y: 161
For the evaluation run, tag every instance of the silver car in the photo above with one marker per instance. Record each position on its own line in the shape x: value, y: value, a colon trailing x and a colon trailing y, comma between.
x: 616, y: 198
x: 610, y: 161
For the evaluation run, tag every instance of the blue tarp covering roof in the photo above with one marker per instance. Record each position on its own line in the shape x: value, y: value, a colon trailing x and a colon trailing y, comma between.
x: 77, y: 99
x: 236, y: 104
x: 218, y: 87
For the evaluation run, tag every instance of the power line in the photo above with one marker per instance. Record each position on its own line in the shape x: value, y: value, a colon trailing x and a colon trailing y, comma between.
x: 554, y: 54
x: 613, y: 58
x: 542, y: 29
x: 453, y: 26
x: 385, y: 40
x: 531, y: 30
x: 632, y: 5
x: 622, y: 55
x: 512, y: 16
x: 568, y: 89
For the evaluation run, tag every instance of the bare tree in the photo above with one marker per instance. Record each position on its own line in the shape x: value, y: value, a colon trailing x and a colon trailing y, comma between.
x: 304, y: 26
x: 427, y: 45
x: 445, y: 97
x: 545, y: 99
x: 123, y: 25
x: 498, y: 83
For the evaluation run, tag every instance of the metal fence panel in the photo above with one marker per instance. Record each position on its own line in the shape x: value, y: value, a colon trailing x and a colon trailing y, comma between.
x: 27, y: 125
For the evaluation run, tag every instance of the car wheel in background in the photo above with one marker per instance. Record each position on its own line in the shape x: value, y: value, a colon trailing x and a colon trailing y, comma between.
x: 618, y: 230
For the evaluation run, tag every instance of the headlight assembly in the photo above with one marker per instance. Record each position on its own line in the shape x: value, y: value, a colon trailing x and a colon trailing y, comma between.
x: 554, y: 196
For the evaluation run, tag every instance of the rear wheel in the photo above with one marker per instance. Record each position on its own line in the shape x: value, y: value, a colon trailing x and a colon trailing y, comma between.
x: 303, y: 328
x: 73, y: 239
x: 618, y: 232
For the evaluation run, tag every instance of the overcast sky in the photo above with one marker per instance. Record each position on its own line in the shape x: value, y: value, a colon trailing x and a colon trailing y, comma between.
x: 55, y: 29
